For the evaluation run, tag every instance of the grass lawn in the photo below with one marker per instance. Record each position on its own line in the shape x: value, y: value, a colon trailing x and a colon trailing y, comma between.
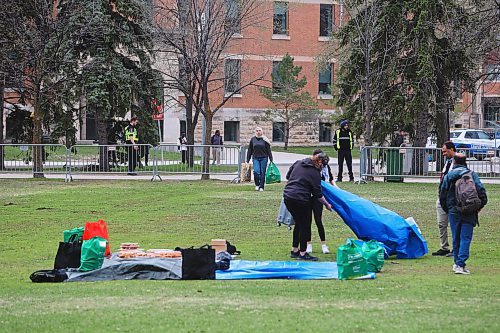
x: 307, y: 150
x: 421, y: 295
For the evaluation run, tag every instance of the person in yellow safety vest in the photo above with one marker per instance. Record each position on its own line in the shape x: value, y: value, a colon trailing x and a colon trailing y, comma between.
x: 132, y: 141
x: 344, y: 143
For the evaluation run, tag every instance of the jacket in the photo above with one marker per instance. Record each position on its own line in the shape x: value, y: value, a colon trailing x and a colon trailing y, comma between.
x: 447, y: 196
x: 258, y: 147
x: 342, y: 140
x: 304, y: 181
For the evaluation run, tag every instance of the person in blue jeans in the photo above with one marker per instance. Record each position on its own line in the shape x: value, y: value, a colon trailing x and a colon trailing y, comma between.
x: 462, y: 225
x: 259, y: 150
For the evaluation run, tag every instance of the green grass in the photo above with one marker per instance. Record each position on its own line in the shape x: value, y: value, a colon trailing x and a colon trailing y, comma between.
x: 307, y: 150
x: 420, y: 295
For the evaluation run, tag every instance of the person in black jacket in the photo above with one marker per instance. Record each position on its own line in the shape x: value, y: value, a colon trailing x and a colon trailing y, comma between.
x: 302, y: 189
x: 259, y: 150
x: 343, y: 143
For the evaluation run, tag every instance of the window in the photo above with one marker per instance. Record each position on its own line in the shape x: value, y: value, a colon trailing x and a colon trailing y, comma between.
x: 280, y: 18
x: 232, y: 21
x: 279, y: 132
x: 493, y: 72
x: 454, y: 135
x: 325, y: 132
x: 325, y: 20
x: 183, y: 127
x: 275, y: 77
x: 232, y: 75
x: 325, y: 80
x: 232, y: 131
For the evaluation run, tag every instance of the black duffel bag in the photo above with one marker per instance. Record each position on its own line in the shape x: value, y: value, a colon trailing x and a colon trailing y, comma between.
x: 198, y: 263
x: 50, y: 275
x: 68, y: 254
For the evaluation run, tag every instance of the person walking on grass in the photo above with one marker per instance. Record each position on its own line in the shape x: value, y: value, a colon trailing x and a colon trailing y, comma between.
x: 259, y: 150
x: 448, y: 151
x: 302, y: 189
x: 326, y: 175
x: 462, y: 223
x: 343, y: 143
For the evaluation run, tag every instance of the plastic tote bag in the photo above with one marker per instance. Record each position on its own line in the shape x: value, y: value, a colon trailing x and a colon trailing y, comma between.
x: 67, y: 234
x: 92, y: 254
x: 350, y: 261
x: 97, y: 229
x: 374, y: 255
x: 272, y: 174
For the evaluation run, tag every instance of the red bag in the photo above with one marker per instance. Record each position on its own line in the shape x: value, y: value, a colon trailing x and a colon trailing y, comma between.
x: 97, y: 229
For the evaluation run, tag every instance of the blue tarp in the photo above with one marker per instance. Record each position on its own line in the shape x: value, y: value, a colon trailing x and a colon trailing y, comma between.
x: 370, y: 221
x: 293, y: 270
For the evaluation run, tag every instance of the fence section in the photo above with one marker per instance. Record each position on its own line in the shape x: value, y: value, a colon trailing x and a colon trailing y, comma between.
x: 397, y: 163
x: 36, y: 159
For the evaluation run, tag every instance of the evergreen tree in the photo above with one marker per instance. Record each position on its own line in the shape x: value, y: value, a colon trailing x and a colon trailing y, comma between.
x: 292, y: 106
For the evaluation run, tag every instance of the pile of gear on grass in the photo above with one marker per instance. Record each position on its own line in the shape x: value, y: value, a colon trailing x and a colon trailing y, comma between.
x: 85, y: 255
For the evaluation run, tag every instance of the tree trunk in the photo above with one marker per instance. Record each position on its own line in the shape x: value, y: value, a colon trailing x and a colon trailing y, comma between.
x: 287, y: 134
x: 190, y: 126
x: 421, y: 132
x: 102, y: 136
x: 37, y: 135
x: 206, y: 149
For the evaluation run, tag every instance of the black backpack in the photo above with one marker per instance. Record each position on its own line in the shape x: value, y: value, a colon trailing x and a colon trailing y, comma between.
x: 468, y: 201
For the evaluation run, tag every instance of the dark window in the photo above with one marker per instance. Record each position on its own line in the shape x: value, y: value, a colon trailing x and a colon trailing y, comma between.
x: 90, y: 125
x: 278, y: 132
x: 275, y: 77
x: 232, y: 72
x: 183, y: 127
x: 325, y: 20
x: 233, y: 23
x: 325, y: 132
x: 325, y: 80
x: 232, y: 131
x: 280, y: 19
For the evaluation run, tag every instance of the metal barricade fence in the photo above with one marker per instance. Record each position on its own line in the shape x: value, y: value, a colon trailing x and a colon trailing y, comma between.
x: 188, y: 159
x: 22, y: 159
x: 116, y: 159
x: 397, y: 163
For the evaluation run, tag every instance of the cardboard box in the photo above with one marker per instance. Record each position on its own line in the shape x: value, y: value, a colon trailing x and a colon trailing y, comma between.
x: 219, y: 245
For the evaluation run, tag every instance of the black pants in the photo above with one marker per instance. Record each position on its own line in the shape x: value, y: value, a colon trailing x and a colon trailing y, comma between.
x: 132, y: 158
x: 302, y: 214
x: 183, y: 156
x: 345, y: 154
x: 318, y: 216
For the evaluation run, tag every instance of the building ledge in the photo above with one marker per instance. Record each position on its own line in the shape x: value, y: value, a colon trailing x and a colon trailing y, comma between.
x: 280, y: 37
x: 324, y: 38
x: 237, y: 35
x: 321, y: 96
x: 234, y: 96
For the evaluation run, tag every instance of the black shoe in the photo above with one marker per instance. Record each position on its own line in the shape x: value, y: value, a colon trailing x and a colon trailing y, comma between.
x: 441, y: 253
x: 308, y: 257
x: 294, y: 255
x: 131, y: 173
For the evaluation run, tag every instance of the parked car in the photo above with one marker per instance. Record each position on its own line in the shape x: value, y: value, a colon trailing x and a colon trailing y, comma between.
x: 471, y: 142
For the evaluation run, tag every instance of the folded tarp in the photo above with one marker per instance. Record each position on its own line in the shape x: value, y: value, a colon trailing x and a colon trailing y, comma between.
x: 370, y: 221
x: 115, y: 268
x: 293, y: 270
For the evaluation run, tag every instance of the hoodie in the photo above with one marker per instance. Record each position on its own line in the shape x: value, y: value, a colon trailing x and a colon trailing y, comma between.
x: 304, y: 181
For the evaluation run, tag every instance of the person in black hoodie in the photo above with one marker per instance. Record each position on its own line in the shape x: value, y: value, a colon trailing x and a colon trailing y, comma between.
x: 343, y: 143
x: 302, y: 188
x: 259, y: 149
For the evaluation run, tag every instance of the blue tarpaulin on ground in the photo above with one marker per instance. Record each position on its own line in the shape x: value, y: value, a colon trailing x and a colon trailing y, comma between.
x: 370, y: 221
x: 293, y: 270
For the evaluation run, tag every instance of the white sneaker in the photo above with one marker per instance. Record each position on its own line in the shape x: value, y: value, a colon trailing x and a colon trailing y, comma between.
x: 257, y: 188
x: 462, y: 270
x: 454, y: 267
x: 325, y: 249
x: 309, y: 248
x: 261, y: 189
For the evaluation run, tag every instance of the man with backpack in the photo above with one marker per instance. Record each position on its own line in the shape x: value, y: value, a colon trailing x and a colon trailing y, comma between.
x: 462, y: 196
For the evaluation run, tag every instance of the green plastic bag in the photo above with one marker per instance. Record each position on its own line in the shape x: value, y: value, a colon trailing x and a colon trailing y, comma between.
x: 374, y: 255
x: 272, y: 174
x: 68, y: 234
x: 92, y: 254
x: 350, y: 261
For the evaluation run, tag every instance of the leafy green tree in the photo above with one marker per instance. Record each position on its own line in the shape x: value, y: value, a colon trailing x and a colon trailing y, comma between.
x: 292, y: 105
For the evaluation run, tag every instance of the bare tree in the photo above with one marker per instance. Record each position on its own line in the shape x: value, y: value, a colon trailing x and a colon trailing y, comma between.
x: 198, y: 36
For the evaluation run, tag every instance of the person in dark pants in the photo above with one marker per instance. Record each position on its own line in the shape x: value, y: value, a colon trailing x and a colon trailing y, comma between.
x: 259, y: 149
x: 302, y: 189
x: 462, y: 224
x: 326, y: 175
x: 132, y: 140
x: 344, y: 143
x: 183, y: 147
